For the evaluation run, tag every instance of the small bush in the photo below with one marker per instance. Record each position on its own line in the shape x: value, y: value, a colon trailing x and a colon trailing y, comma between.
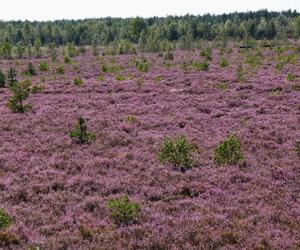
x: 224, y: 63
x: 60, y: 70
x: 20, y: 92
x: 11, y: 76
x: 291, y: 77
x: 2, y: 79
x: 169, y: 56
x: 80, y: 134
x: 201, y: 66
x: 77, y: 81
x: 5, y: 219
x: 43, y: 67
x: 30, y: 71
x: 207, y: 54
x: 131, y: 119
x: 120, y: 78
x: 123, y: 211
x: 37, y: 89
x: 142, y: 65
x: 298, y: 147
x: 177, y: 152
x: 229, y: 151
x: 240, y: 73
x: 67, y: 60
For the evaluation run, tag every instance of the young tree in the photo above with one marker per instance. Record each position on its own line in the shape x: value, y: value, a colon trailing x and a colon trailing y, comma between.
x: 20, y: 92
x: 11, y: 76
x: 37, y: 48
x: 2, y: 79
x: 30, y: 70
x: 80, y: 133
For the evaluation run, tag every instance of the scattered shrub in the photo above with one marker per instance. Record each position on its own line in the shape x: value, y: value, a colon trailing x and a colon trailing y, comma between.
x: 291, y: 77
x: 207, y: 54
x: 142, y: 65
x: 201, y: 66
x: 37, y: 89
x: 130, y: 119
x: 60, y: 70
x: 43, y: 67
x: 224, y: 63
x: 178, y: 152
x: 5, y: 219
x: 100, y: 78
x: 229, y: 151
x: 20, y: 93
x: 169, y: 55
x: 2, y: 79
x: 30, y: 71
x: 123, y: 211
x: 240, y: 73
x: 120, y: 78
x: 77, y: 81
x: 67, y: 60
x: 298, y: 147
x: 11, y: 76
x: 80, y: 134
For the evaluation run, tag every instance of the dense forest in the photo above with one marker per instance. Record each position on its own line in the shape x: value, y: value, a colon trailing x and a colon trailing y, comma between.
x: 151, y: 34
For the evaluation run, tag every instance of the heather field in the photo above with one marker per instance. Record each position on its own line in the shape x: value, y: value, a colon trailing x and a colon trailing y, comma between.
x: 58, y: 193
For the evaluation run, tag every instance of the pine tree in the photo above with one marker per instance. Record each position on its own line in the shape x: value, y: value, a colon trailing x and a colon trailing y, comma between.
x: 11, y: 76
x: 2, y: 79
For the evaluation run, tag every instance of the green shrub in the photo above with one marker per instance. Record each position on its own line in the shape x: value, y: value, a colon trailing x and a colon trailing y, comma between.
x: 37, y: 89
x: 178, y: 152
x: 131, y: 119
x: 123, y: 211
x: 5, y: 219
x: 229, y: 151
x: 120, y: 78
x: 240, y: 73
x: 30, y: 71
x: 11, y: 76
x: 201, y: 66
x: 43, y: 67
x: 20, y: 92
x: 291, y: 77
x: 224, y: 63
x: 77, y: 81
x: 60, y: 70
x: 298, y: 147
x: 207, y: 54
x: 80, y: 134
x: 67, y: 60
x: 142, y: 65
x: 2, y: 79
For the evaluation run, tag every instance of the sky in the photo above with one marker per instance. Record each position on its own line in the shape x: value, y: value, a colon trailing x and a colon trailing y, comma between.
x: 79, y: 9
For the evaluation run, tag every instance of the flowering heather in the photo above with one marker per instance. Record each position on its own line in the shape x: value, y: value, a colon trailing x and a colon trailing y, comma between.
x: 56, y: 192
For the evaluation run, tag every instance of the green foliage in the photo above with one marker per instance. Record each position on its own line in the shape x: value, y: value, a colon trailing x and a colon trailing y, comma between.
x: 169, y: 55
x: 298, y: 147
x: 240, y: 73
x: 5, y: 219
x: 43, y: 67
x: 120, y: 78
x: 178, y: 152
x: 207, y: 54
x: 131, y: 119
x: 222, y: 86
x: 142, y: 65
x: 6, y: 50
x: 37, y: 89
x: 229, y: 151
x: 71, y: 49
x: 224, y: 63
x: 123, y: 211
x: 52, y: 51
x: 80, y: 134
x: 291, y: 77
x: 2, y: 79
x: 11, y: 76
x: 30, y: 71
x: 110, y: 68
x: 60, y: 70
x: 78, y: 81
x: 67, y: 60
x: 20, y: 92
x: 201, y: 66
x: 126, y: 47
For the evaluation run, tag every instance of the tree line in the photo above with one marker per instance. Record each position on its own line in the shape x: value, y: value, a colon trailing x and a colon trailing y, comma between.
x: 149, y: 33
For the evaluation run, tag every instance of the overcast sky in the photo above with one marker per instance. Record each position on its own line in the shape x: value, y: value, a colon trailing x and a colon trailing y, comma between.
x: 78, y: 9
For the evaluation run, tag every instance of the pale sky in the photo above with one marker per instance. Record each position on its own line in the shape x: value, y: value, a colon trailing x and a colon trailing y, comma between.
x: 78, y: 9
